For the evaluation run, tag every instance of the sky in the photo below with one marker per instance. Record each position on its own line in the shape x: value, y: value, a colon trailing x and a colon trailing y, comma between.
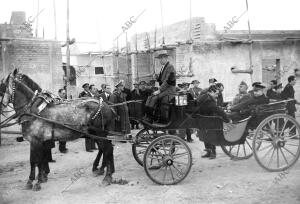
x: 99, y: 22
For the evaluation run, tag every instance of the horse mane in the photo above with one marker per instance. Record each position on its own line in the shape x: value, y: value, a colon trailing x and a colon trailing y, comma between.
x: 30, y: 83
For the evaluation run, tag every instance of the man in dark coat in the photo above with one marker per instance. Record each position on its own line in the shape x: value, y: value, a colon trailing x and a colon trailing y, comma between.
x: 289, y: 93
x: 167, y: 83
x: 207, y: 104
x: 86, y: 91
x: 257, y: 98
x: 104, y: 93
x: 195, y: 90
x: 135, y: 109
x: 122, y: 122
x: 62, y: 144
x: 89, y: 143
x: 220, y: 100
x: 271, y: 92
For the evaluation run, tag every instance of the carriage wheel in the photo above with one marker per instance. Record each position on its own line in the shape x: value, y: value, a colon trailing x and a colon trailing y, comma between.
x: 278, y: 136
x: 240, y: 151
x: 142, y: 141
x: 167, y: 160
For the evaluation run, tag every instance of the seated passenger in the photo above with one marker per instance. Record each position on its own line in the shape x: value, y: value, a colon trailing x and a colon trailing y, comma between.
x: 242, y: 92
x: 257, y: 99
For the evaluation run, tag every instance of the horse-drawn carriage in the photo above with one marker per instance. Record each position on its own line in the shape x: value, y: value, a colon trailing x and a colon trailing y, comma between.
x: 265, y: 131
x: 166, y: 158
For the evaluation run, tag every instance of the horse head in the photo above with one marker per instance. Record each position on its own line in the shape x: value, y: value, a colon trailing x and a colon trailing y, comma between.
x: 17, y: 84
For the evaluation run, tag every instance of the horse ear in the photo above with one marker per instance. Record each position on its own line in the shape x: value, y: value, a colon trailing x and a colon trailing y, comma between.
x: 15, y: 71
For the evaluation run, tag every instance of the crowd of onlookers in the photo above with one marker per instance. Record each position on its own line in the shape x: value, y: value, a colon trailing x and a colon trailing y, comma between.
x: 259, y: 94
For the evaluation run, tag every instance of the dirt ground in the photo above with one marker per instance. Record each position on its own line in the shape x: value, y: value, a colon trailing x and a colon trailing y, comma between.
x: 210, y: 181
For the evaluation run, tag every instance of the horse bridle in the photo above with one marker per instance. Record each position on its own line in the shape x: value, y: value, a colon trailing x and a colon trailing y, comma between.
x: 23, y: 108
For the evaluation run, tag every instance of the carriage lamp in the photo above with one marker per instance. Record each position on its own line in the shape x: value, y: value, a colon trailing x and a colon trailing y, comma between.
x: 181, y: 100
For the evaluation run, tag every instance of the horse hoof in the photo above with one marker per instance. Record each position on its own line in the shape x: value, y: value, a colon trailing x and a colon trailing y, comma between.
x: 37, y: 187
x: 98, y: 172
x: 44, y: 179
x: 107, y: 180
x: 29, y: 185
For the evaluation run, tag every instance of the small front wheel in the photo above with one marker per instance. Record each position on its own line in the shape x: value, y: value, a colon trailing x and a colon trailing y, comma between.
x: 167, y: 160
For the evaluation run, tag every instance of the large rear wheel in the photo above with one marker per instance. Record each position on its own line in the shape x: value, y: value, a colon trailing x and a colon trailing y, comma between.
x: 278, y: 137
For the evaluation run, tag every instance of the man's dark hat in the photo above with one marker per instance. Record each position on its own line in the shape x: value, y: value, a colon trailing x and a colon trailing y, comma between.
x: 195, y: 82
x: 212, y: 80
x: 256, y: 83
x: 259, y: 86
x: 91, y: 85
x: 85, y: 84
x: 142, y: 83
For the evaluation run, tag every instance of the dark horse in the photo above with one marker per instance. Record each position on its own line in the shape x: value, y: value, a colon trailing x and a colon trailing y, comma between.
x: 87, y: 115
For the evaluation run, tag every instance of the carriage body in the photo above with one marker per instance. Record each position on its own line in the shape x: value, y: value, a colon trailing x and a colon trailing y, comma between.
x: 263, y: 126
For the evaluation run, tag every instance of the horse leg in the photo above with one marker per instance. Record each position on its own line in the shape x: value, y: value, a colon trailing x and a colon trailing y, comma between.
x: 109, y: 159
x: 95, y: 170
x: 45, y: 172
x: 31, y: 176
x: 37, y: 185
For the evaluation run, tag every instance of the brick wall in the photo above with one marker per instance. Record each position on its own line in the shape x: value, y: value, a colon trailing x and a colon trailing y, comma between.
x: 39, y: 59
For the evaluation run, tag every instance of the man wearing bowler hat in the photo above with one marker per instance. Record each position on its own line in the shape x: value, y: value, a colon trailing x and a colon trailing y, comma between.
x: 167, y: 83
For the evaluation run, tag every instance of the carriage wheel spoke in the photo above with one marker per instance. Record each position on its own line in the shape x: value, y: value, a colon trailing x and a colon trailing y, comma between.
x: 172, y: 173
x: 158, y: 171
x: 180, y: 172
x: 172, y: 148
x: 237, y: 153
x: 289, y: 151
x: 265, y: 147
x: 230, y: 149
x: 182, y: 163
x: 249, y: 145
x: 283, y: 128
x: 179, y: 155
x: 292, y: 144
x: 277, y: 126
x: 164, y: 147
x: 277, y: 158
x: 244, y: 149
x: 284, y: 157
x: 157, y: 151
x: 166, y: 169
x: 271, y: 159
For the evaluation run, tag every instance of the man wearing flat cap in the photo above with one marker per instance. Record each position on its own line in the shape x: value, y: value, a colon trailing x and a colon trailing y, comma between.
x: 86, y: 91
x: 122, y: 123
x: 167, y: 83
x: 242, y: 95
